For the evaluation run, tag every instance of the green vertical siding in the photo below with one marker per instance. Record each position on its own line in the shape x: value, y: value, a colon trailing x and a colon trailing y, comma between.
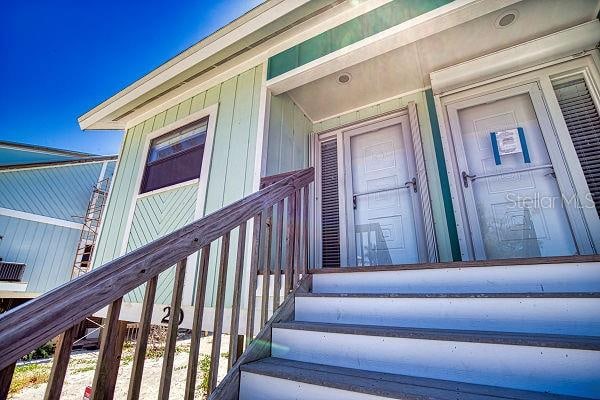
x: 288, y: 136
x: 352, y: 31
x: 439, y: 211
x: 230, y: 175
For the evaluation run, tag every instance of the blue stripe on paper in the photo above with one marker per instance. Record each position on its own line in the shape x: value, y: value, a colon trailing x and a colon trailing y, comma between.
x: 526, y: 157
x: 495, y: 148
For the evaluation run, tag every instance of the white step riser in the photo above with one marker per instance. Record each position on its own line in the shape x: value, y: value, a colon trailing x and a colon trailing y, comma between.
x: 576, y: 277
x: 261, y: 387
x: 563, y: 371
x: 572, y: 316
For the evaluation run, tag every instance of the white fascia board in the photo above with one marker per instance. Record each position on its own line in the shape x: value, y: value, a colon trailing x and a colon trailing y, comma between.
x: 40, y: 218
x: 251, y: 58
x: 430, y: 23
x: 256, y: 23
x: 554, y: 46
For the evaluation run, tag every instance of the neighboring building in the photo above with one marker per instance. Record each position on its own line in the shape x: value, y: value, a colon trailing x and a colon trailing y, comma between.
x: 44, y: 197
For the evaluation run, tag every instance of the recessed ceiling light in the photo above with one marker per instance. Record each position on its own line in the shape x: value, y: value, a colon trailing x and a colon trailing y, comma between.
x: 344, y: 78
x: 506, y: 19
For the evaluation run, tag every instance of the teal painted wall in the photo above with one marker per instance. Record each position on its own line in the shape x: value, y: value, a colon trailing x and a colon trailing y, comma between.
x: 288, y: 136
x: 10, y: 156
x: 48, y: 251
x: 230, y: 176
x: 352, y: 31
x: 443, y: 232
x: 61, y: 192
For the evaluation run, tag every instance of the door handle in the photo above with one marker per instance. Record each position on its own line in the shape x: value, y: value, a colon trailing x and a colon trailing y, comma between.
x: 412, y: 182
x: 466, y: 177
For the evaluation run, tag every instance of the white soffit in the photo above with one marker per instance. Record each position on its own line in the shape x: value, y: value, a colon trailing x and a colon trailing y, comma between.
x: 561, y: 44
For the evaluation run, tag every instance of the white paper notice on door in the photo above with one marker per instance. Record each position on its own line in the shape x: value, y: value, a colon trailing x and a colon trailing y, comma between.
x: 508, y: 142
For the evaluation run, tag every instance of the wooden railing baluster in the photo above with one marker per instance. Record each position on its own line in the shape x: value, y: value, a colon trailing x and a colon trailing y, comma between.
x: 266, y: 270
x: 237, y: 296
x: 253, y: 276
x: 60, y: 363
x: 278, y: 254
x: 137, y: 369
x: 111, y: 346
x: 290, y: 240
x: 192, y: 371
x: 169, y: 356
x: 305, y: 223
x: 219, y: 309
x: 297, y: 250
x: 6, y: 375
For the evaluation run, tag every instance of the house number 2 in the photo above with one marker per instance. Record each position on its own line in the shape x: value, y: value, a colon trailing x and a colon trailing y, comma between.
x: 167, y: 310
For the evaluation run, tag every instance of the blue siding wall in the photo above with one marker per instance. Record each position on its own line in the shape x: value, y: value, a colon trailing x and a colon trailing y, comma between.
x: 57, y: 192
x: 48, y: 251
x: 61, y: 192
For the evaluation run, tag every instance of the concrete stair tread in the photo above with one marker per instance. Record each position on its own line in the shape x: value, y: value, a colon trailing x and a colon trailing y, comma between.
x: 472, y: 336
x: 456, y: 295
x: 386, y: 384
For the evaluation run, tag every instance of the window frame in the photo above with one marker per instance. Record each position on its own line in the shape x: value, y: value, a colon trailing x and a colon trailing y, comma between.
x: 148, y: 164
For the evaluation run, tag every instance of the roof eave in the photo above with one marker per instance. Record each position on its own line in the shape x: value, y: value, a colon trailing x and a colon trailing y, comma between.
x: 267, y: 12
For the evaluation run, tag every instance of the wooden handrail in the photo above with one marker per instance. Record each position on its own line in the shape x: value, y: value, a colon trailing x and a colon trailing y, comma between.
x: 26, y: 327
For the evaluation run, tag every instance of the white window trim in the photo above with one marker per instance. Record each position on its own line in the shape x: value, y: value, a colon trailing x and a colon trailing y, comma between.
x: 210, y: 112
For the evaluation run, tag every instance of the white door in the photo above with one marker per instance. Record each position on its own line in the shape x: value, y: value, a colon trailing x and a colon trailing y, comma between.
x: 384, y: 221
x: 512, y: 174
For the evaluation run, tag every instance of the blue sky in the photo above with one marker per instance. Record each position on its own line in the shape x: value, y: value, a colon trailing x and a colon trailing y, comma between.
x: 61, y: 58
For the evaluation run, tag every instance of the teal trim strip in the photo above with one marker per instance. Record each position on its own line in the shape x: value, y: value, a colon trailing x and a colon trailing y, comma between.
x: 441, y: 162
x: 361, y: 27
x: 526, y: 157
x: 494, y: 140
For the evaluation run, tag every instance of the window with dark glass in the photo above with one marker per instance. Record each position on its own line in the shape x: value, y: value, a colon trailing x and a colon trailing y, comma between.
x: 175, y: 157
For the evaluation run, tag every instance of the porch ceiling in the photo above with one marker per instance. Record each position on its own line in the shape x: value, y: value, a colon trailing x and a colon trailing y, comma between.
x: 407, y: 68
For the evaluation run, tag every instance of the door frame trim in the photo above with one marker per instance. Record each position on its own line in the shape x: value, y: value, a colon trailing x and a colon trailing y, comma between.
x: 588, y: 64
x: 410, y: 111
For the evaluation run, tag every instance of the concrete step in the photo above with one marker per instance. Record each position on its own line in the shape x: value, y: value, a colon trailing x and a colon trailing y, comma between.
x: 280, y: 379
x: 463, y: 277
x: 552, y: 313
x: 559, y: 364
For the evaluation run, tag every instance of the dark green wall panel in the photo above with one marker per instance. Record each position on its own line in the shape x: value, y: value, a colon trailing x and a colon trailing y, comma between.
x: 352, y: 31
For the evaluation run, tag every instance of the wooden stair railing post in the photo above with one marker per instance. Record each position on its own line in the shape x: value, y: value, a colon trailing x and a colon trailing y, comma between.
x: 278, y: 254
x: 297, y: 250
x: 237, y: 296
x: 219, y: 309
x: 253, y: 277
x: 137, y: 369
x: 60, y: 363
x: 290, y: 240
x: 192, y: 370
x: 169, y: 356
x: 266, y: 270
x: 111, y: 346
x: 6, y: 375
x: 305, y: 223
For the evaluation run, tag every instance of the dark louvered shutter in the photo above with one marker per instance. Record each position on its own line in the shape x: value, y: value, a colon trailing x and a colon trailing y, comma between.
x: 583, y: 121
x: 330, y: 205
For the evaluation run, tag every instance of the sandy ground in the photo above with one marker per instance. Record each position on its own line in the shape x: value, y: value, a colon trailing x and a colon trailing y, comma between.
x: 81, y: 374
